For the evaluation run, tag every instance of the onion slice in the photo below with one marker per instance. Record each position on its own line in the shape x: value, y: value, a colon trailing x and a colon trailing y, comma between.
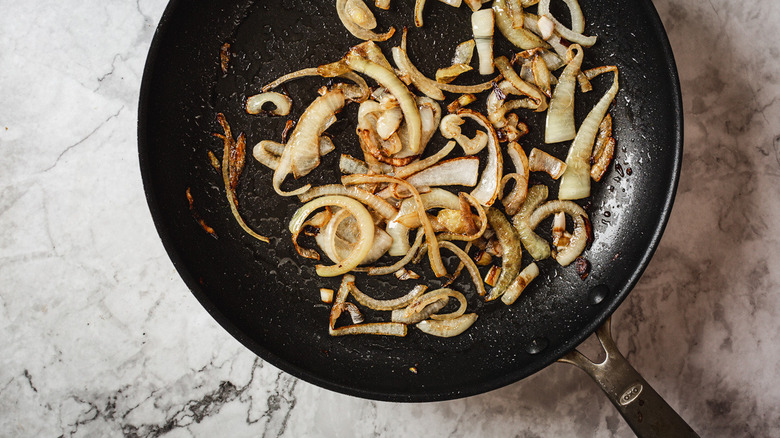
x: 365, y: 225
x: 540, y: 161
x: 375, y: 202
x: 397, y: 303
x: 560, y: 116
x: 515, y: 199
x: 575, y: 182
x: 406, y: 100
x: 505, y: 68
x: 302, y: 153
x: 431, y: 297
x: 447, y: 328
x: 482, y: 24
x: 433, y: 253
x: 512, y: 252
x: 468, y: 263
x: 578, y: 23
x: 355, y: 29
x: 486, y: 191
x: 533, y: 243
x: 282, y: 104
x: 508, y: 13
x: 419, y: 165
x: 520, y: 282
x: 604, y: 149
x: 581, y: 235
x: 384, y: 270
x: 462, y: 171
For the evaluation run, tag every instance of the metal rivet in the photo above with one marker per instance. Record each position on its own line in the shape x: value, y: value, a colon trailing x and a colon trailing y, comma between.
x: 598, y: 294
x: 537, y: 345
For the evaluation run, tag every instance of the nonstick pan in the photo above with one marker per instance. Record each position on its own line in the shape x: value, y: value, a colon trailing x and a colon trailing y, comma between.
x: 267, y: 297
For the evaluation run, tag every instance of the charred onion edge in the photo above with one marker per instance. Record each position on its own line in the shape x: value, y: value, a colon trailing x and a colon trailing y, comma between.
x: 468, y: 263
x: 579, y: 239
x: 519, y: 284
x: 447, y: 328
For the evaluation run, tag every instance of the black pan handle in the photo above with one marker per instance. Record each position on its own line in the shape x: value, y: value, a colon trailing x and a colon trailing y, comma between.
x: 644, y: 410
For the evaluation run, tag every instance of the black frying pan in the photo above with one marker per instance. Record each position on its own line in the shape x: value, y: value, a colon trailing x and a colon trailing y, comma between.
x: 267, y: 297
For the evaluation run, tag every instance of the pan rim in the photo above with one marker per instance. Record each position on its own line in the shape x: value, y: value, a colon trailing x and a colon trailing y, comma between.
x: 545, y: 359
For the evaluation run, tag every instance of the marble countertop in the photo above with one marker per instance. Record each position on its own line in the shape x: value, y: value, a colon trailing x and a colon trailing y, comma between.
x: 95, y: 324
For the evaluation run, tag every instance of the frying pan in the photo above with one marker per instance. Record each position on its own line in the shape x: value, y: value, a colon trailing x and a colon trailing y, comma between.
x: 267, y: 297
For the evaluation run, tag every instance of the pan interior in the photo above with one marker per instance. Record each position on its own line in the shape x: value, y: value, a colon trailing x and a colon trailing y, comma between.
x: 268, y: 297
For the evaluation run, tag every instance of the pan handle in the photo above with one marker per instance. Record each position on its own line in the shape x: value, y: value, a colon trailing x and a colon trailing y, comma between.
x: 644, y: 410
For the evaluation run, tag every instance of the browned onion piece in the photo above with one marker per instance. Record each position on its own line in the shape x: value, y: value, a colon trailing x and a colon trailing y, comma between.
x: 508, y: 14
x: 400, y: 315
x: 465, y: 197
x: 604, y: 149
x: 533, y: 243
x: 433, y: 296
x: 447, y: 328
x: 516, y: 197
x: 448, y: 74
x: 376, y: 203
x: 418, y: 12
x: 540, y: 161
x: 518, y: 285
x: 433, y: 253
x: 579, y: 238
x: 233, y: 159
x: 397, y: 303
x: 530, y: 90
x: 282, y: 103
x: 491, y: 278
x: 355, y: 29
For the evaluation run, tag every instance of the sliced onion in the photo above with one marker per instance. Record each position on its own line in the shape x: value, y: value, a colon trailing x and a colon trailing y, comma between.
x: 546, y: 27
x: 579, y: 239
x: 371, y: 328
x: 482, y: 23
x: 468, y: 263
x: 431, y: 297
x: 518, y: 285
x: 357, y: 30
x: 505, y: 68
x: 419, y: 165
x: 464, y: 52
x: 382, y: 305
x: 388, y: 122
x: 376, y: 203
x: 511, y: 249
x: 384, y: 270
x: 506, y: 17
x: 431, y: 88
x: 282, y: 104
x: 450, y: 128
x: 533, y: 243
x: 447, y: 328
x: 400, y: 316
x: 337, y: 241
x: 365, y: 224
x: 433, y: 253
x: 462, y: 171
x: 418, y: 12
x: 540, y: 161
x: 406, y: 100
x: 578, y: 23
x: 575, y: 182
x: 486, y: 191
x: 382, y: 4
x: 604, y: 149
x: 399, y: 230
x: 461, y: 102
x: 515, y: 199
x: 449, y: 74
x: 453, y: 3
x: 466, y: 202
x: 360, y: 14
x: 560, y: 116
x: 302, y: 154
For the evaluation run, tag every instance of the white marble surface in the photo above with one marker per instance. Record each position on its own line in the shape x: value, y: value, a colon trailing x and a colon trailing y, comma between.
x: 95, y: 324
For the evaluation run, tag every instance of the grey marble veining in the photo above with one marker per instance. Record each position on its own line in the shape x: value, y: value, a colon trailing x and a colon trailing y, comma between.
x: 95, y: 322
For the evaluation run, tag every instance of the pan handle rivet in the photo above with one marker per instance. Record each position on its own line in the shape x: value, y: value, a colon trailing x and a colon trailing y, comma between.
x: 598, y: 294
x: 537, y: 345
